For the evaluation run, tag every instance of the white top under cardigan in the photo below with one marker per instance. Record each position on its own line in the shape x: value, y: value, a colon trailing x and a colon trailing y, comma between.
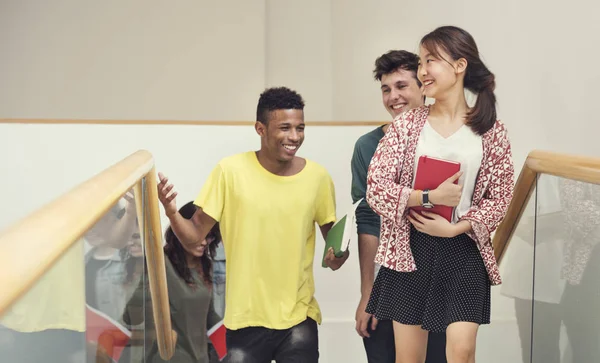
x: 465, y: 147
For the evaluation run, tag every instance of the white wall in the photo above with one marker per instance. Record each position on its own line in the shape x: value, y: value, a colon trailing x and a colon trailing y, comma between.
x: 546, y: 80
x: 206, y: 60
x: 299, y: 52
x: 132, y: 60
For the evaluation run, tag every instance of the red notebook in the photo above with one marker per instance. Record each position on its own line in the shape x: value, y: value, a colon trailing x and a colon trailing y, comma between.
x: 107, y: 333
x: 431, y: 172
x: 216, y: 334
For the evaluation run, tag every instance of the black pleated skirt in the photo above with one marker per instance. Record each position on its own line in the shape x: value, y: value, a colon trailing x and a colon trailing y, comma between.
x: 450, y: 285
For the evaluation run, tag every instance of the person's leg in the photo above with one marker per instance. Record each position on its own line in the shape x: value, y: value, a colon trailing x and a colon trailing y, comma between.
x: 411, y: 343
x: 580, y: 311
x: 523, y: 310
x: 546, y: 332
x: 380, y: 346
x: 249, y: 345
x: 547, y: 321
x: 583, y: 329
x: 461, y: 340
x: 299, y: 344
x: 436, y: 348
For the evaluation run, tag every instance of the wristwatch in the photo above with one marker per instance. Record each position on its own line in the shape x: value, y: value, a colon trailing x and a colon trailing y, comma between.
x: 426, y: 203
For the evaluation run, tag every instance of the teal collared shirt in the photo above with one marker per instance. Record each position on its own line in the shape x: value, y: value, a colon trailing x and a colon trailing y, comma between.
x: 367, y: 221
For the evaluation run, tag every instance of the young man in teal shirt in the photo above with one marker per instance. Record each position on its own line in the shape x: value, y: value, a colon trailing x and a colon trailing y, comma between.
x: 396, y: 70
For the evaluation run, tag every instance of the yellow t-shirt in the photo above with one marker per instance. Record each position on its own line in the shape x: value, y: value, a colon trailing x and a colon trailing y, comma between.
x: 268, y: 227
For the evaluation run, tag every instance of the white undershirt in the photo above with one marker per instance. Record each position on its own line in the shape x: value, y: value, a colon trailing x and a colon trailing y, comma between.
x: 465, y: 147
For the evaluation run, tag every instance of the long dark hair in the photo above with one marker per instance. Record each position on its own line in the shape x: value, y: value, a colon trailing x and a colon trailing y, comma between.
x: 458, y: 43
x: 132, y: 263
x: 177, y: 254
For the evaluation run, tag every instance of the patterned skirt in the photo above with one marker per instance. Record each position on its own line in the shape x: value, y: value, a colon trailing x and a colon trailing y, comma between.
x: 450, y: 285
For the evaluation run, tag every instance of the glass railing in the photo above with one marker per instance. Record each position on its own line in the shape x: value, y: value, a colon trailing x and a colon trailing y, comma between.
x: 114, y: 271
x: 552, y: 263
x: 75, y: 283
x: 84, y: 277
x: 47, y: 323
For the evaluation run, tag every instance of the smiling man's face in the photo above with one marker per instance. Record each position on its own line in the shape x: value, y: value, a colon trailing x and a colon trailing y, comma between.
x: 400, y: 92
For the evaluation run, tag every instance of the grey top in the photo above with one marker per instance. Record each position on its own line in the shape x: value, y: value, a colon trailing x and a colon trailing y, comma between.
x: 192, y: 314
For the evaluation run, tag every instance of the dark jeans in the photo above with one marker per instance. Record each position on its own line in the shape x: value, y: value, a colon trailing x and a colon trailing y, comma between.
x: 298, y: 344
x: 380, y: 347
x: 436, y: 348
x: 213, y: 357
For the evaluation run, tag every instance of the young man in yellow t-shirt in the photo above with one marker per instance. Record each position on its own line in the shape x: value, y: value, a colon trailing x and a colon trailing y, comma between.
x: 267, y: 203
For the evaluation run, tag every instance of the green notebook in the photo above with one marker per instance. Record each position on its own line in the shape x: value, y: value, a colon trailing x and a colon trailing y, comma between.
x: 341, y: 233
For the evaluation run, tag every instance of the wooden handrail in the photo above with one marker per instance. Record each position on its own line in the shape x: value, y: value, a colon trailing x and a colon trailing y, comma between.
x: 580, y: 168
x: 30, y: 247
x: 174, y: 122
x: 157, y: 276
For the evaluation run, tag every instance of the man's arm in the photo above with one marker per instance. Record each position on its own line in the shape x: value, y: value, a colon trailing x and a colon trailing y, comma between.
x: 368, y: 225
x: 368, y: 222
x: 325, y: 229
x: 191, y: 231
x: 325, y: 217
x: 332, y: 262
x: 367, y: 249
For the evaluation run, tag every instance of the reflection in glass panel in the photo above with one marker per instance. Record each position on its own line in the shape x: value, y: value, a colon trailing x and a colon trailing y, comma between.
x: 114, y: 261
x: 137, y: 314
x: 47, y: 323
x: 74, y: 313
x: 517, y: 279
x: 548, y: 285
x: 567, y: 272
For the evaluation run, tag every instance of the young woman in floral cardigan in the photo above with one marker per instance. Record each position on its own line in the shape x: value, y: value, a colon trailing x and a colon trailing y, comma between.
x: 436, y: 275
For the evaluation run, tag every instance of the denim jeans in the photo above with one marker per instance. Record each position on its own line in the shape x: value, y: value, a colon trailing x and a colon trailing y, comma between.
x: 218, y: 294
x: 219, y: 287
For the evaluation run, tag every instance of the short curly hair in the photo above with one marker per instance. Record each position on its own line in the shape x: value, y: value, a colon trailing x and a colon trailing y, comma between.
x: 277, y: 98
x: 394, y: 59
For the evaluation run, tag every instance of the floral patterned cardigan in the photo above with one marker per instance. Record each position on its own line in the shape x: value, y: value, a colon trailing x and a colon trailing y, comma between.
x: 389, y: 185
